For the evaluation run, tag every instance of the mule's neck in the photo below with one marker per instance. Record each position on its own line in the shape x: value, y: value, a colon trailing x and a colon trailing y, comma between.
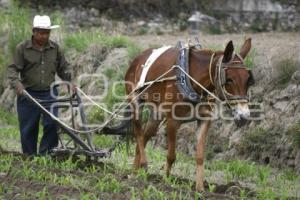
x: 200, y: 69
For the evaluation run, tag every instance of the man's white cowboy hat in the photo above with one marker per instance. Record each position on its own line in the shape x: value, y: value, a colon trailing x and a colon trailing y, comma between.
x: 43, y: 22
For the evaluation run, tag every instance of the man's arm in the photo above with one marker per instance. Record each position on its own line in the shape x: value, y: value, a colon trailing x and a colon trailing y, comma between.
x: 14, y: 69
x: 64, y: 69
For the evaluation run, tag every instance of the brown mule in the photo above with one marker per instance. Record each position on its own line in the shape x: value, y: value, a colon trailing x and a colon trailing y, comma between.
x: 165, y: 101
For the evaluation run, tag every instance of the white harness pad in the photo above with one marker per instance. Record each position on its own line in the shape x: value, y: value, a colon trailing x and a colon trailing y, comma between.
x: 152, y: 58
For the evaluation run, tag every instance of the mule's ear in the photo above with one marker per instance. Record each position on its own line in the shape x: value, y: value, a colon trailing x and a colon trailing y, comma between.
x: 228, y: 53
x: 245, y: 48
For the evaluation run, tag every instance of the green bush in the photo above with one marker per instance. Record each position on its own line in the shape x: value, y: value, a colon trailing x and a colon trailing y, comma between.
x: 3, y: 64
x: 158, y: 31
x: 115, y: 41
x: 249, y: 60
x: 19, y: 26
x: 143, y: 30
x: 133, y: 51
x: 111, y: 99
x: 254, y: 139
x: 294, y: 134
x: 215, y: 30
x: 110, y: 73
x: 80, y: 40
x: 284, y: 69
x: 15, y: 23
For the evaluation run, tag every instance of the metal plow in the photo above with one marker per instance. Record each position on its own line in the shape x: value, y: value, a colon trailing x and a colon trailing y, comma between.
x: 79, y: 140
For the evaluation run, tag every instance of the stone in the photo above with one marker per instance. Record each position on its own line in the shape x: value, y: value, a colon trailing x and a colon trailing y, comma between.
x: 199, y: 21
x: 281, y: 105
x: 217, y: 177
x: 235, y: 138
x: 296, y: 77
x: 297, y: 161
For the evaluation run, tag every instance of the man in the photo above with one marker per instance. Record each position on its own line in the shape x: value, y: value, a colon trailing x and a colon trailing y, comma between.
x: 35, y: 63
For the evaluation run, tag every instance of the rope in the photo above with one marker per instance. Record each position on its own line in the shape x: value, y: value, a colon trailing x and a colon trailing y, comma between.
x: 96, y: 104
x: 113, y: 114
x: 162, y: 80
x: 57, y: 119
x: 210, y: 66
x: 123, y: 104
x: 197, y: 83
x: 220, y: 82
x: 222, y: 88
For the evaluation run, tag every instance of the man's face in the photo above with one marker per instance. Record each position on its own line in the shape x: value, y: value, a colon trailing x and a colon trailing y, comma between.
x: 41, y: 36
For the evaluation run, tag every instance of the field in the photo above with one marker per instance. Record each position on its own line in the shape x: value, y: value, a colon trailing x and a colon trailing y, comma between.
x: 113, y: 178
x: 72, y: 177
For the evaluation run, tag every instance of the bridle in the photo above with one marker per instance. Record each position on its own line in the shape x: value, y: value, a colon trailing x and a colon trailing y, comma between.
x: 219, y: 80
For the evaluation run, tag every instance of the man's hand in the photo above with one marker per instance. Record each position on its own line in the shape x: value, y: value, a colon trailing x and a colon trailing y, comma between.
x: 19, y: 89
x: 73, y: 88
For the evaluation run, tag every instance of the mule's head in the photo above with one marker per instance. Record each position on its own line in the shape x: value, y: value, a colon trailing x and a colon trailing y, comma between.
x: 234, y: 80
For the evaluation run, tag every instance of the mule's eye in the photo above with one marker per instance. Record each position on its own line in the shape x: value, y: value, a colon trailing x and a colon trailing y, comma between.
x: 228, y: 81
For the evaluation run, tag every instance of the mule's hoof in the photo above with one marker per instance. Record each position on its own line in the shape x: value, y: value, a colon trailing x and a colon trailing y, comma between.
x: 136, y: 166
x: 199, y: 188
x: 199, y: 195
x: 168, y: 173
x: 144, y: 166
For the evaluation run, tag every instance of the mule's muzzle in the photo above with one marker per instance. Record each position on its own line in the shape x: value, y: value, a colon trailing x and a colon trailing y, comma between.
x: 241, y: 114
x: 241, y: 122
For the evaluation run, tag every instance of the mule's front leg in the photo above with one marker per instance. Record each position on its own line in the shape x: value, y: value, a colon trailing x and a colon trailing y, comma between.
x: 136, y: 162
x: 201, y: 139
x: 172, y: 127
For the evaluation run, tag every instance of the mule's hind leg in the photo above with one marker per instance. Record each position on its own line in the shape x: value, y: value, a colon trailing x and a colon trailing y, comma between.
x: 201, y: 139
x: 149, y: 131
x: 151, y: 127
x: 140, y: 157
x: 172, y: 127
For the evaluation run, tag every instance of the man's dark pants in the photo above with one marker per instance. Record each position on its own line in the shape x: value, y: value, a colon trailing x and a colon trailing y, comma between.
x: 29, y: 116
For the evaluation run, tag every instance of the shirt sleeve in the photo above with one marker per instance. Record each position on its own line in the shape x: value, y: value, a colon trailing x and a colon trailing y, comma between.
x: 64, y: 69
x: 14, y: 68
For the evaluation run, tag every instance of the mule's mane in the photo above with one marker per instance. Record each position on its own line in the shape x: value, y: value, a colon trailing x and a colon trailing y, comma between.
x: 205, y: 51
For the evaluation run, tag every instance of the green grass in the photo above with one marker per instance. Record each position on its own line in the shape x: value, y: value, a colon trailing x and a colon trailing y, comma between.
x: 8, y: 118
x: 254, y: 143
x: 241, y: 170
x: 15, y: 23
x: 116, y: 177
x: 109, y: 184
x: 81, y: 40
x: 19, y: 26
